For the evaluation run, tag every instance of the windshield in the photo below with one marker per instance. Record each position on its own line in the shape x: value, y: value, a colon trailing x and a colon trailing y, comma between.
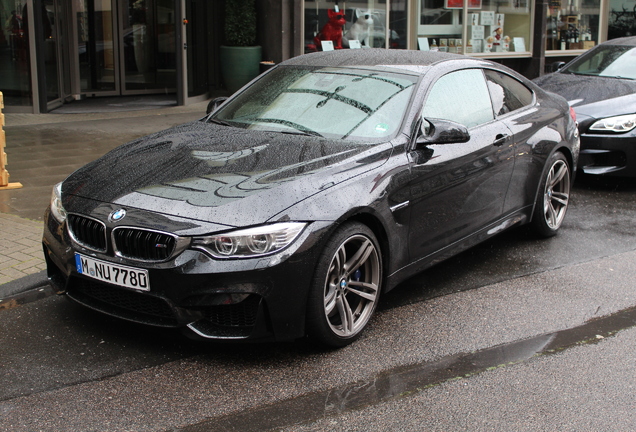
x: 365, y: 105
x: 607, y: 61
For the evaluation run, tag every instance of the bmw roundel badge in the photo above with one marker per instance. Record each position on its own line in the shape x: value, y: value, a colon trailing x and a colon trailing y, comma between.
x: 117, y: 215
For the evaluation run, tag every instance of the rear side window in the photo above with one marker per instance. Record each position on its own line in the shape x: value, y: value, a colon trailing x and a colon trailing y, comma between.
x: 461, y: 97
x: 507, y: 93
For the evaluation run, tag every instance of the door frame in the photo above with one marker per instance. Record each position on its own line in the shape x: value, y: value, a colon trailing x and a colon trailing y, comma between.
x: 117, y: 13
x: 34, y: 15
x: 74, y: 56
x: 182, y: 58
x: 121, y: 53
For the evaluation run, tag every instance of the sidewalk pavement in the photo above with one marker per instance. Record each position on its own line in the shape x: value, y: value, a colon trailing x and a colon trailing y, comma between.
x: 42, y: 149
x: 20, y: 249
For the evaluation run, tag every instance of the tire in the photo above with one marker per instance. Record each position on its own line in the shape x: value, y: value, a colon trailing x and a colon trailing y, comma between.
x: 553, y: 197
x: 346, y: 286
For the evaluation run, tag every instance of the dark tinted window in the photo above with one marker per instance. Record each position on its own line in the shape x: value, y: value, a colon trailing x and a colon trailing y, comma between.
x: 461, y: 97
x: 507, y: 93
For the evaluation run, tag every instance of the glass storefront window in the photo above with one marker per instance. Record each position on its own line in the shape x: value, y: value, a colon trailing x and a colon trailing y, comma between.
x: 398, y: 23
x: 622, y: 19
x: 572, y: 24
x: 126, y: 46
x: 15, y: 69
x: 440, y: 25
x: 354, y: 24
x: 148, y: 35
x: 493, y: 27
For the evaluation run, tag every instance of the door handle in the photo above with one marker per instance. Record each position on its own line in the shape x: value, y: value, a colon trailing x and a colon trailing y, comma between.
x: 500, y: 139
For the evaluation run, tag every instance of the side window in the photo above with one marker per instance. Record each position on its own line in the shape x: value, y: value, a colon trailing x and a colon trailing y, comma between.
x: 507, y: 93
x: 461, y: 97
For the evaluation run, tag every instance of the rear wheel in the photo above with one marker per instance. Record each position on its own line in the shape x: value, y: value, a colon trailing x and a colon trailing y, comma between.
x: 346, y: 286
x: 553, y: 198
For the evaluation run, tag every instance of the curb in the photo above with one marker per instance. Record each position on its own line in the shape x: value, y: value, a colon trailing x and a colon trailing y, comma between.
x: 26, y: 283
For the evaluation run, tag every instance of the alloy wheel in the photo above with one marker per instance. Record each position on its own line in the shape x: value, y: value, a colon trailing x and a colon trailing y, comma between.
x: 557, y: 194
x: 351, y: 286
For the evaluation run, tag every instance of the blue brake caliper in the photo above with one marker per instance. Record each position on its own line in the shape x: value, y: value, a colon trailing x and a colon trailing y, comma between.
x: 357, y: 275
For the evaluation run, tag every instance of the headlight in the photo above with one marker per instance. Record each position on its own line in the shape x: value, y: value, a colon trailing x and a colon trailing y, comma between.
x: 250, y: 242
x: 619, y: 124
x: 57, y: 210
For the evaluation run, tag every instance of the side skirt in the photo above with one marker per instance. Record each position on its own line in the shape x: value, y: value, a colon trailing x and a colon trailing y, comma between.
x: 519, y: 217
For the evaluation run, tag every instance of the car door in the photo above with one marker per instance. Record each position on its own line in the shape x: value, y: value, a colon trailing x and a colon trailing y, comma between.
x: 458, y: 188
x: 514, y: 105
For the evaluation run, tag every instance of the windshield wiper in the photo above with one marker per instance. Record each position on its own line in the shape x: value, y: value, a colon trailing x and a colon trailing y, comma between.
x: 304, y: 133
x: 217, y: 121
x: 603, y: 76
x: 582, y: 73
x: 299, y: 129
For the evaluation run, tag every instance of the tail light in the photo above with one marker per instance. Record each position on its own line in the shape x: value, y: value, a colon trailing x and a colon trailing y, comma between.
x: 573, y: 114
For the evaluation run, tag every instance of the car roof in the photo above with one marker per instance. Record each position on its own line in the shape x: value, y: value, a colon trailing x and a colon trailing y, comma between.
x: 372, y: 57
x: 628, y: 41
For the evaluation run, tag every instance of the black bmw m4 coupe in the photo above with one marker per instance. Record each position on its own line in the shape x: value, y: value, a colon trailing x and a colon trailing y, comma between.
x: 292, y: 206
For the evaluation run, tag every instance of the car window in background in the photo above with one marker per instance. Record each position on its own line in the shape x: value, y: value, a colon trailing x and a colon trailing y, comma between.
x: 461, y: 97
x: 607, y: 61
x: 507, y: 93
x: 365, y: 105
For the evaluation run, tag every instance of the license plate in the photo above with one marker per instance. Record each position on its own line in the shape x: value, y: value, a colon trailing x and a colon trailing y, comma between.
x: 128, y: 277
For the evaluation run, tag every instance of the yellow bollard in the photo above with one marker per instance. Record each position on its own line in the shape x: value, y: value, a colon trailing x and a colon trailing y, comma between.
x: 4, y: 174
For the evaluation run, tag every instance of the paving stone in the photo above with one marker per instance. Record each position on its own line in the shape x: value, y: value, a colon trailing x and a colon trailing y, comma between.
x: 12, y: 273
x: 27, y: 266
x: 20, y: 256
x: 6, y: 262
x: 27, y: 242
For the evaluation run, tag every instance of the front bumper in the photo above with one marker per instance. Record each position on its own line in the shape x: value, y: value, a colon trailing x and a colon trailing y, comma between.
x: 263, y: 298
x: 611, y: 155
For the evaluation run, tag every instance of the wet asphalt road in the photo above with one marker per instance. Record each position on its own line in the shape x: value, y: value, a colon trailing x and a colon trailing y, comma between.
x: 63, y: 368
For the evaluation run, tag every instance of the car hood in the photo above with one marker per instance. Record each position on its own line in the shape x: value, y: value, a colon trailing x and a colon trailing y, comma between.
x: 220, y: 174
x: 591, y: 96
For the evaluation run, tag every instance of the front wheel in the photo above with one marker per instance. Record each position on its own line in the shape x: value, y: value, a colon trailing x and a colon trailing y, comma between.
x: 553, y: 198
x: 346, y: 286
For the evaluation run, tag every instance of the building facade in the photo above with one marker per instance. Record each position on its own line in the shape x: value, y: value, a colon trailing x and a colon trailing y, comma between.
x: 56, y: 51
x: 526, y: 35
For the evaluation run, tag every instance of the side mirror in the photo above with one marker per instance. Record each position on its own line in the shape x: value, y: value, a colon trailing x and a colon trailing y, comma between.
x: 438, y: 131
x: 557, y: 66
x: 215, y: 103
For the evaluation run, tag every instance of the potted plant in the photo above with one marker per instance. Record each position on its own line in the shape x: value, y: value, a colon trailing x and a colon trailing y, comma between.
x: 240, y: 56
